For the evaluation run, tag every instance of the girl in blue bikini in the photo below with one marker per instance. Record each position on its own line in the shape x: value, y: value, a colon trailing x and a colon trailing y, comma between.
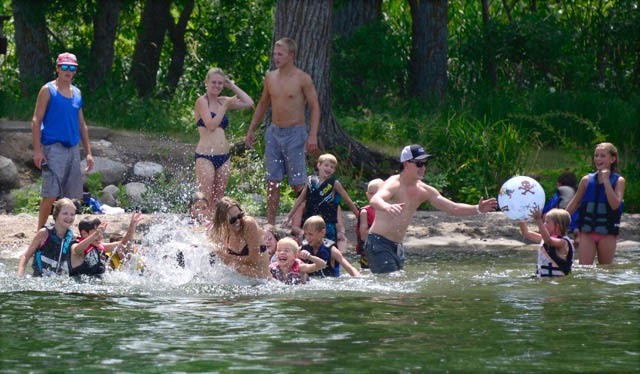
x: 212, y: 151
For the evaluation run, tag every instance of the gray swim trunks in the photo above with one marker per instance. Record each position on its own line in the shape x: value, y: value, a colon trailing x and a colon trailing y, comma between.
x: 62, y: 176
x: 383, y: 255
x: 285, y: 154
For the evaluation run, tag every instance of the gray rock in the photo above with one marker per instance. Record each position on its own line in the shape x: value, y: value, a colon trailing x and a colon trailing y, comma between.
x: 8, y: 174
x: 135, y: 190
x: 112, y: 172
x: 111, y: 189
x: 108, y: 198
x: 147, y: 169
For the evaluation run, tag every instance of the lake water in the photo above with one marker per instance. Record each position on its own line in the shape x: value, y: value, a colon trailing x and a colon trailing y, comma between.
x: 452, y: 309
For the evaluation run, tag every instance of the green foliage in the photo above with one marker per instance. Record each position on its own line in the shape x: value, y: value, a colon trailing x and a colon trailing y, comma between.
x: 94, y: 184
x: 27, y: 200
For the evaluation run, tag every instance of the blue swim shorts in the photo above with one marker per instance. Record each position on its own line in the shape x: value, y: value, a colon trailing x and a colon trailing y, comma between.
x: 383, y: 255
x: 62, y: 176
x: 285, y: 154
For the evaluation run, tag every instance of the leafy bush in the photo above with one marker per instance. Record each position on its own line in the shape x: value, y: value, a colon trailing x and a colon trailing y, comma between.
x: 27, y: 200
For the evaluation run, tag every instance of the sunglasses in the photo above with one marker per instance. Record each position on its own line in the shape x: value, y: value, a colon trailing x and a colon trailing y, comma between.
x: 68, y: 67
x: 419, y: 164
x: 235, y: 219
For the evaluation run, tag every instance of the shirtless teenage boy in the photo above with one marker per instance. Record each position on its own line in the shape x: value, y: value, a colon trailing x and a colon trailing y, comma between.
x: 395, y: 204
x: 286, y: 90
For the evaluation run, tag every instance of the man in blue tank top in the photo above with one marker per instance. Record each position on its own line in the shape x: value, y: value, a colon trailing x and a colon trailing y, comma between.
x: 57, y: 127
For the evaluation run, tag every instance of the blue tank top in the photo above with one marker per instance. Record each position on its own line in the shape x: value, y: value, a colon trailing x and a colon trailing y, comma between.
x: 60, y: 123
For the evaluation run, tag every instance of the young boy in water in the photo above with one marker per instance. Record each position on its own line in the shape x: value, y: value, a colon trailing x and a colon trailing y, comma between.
x: 364, y: 220
x: 317, y: 244
x: 321, y: 196
x: 555, y: 254
x: 289, y: 266
x: 88, y: 254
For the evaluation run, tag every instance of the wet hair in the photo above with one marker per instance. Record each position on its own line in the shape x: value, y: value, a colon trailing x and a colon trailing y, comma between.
x: 374, y: 185
x: 315, y: 223
x: 274, y: 231
x: 220, y: 227
x: 328, y: 157
x: 561, y: 218
x: 568, y: 178
x: 59, y: 204
x: 291, y: 242
x: 613, y: 151
x: 289, y: 44
x: 88, y: 223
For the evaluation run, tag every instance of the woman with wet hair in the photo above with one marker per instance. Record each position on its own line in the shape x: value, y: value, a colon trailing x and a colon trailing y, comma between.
x: 238, y: 240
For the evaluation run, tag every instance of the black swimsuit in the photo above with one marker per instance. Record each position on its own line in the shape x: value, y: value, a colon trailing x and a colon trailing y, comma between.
x: 245, y: 250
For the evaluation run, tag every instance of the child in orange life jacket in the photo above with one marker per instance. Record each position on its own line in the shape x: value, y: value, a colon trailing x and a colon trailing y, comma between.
x: 88, y: 254
x: 555, y: 254
x: 319, y: 246
x: 321, y: 196
x: 364, y: 220
x: 289, y: 266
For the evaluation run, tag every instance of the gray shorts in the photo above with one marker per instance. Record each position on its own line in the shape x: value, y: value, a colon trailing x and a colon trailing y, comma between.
x: 285, y: 154
x: 383, y: 255
x: 62, y: 176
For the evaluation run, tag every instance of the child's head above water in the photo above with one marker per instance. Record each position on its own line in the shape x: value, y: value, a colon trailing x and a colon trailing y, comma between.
x: 559, y: 217
x: 611, y: 150
x: 373, y: 187
x: 61, y: 204
x: 314, y: 230
x: 88, y: 224
x: 289, y: 245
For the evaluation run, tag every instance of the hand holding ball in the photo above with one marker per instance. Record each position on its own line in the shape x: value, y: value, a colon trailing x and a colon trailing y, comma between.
x: 518, y: 196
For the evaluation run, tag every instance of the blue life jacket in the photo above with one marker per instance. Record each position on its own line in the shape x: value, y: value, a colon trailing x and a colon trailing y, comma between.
x: 324, y: 252
x: 54, y: 256
x: 596, y: 215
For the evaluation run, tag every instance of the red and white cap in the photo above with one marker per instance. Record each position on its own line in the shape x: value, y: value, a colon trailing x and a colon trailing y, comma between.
x: 67, y: 59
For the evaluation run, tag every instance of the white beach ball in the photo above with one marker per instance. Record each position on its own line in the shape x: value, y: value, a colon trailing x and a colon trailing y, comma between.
x: 518, y: 196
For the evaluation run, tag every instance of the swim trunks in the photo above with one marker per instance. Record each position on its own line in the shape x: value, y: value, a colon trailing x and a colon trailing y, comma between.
x: 285, y: 154
x: 383, y: 255
x: 62, y: 176
x: 216, y: 160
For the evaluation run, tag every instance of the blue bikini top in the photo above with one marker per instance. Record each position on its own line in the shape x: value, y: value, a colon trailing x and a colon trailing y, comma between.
x: 223, y: 124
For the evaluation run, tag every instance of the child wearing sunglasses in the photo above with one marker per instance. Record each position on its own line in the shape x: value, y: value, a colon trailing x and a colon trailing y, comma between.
x: 238, y: 240
x: 396, y: 202
x: 58, y: 126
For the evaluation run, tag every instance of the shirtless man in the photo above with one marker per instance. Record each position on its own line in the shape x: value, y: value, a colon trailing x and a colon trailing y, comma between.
x: 286, y: 89
x: 395, y: 204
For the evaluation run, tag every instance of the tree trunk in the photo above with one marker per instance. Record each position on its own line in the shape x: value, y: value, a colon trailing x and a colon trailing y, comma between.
x: 352, y: 14
x: 146, y: 58
x: 32, y: 48
x: 491, y: 69
x: 176, y: 34
x: 105, y: 23
x: 429, y: 49
x: 308, y: 22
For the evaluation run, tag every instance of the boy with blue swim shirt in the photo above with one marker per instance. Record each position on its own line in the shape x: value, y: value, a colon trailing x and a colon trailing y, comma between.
x: 286, y: 89
x: 396, y: 202
x: 57, y: 127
